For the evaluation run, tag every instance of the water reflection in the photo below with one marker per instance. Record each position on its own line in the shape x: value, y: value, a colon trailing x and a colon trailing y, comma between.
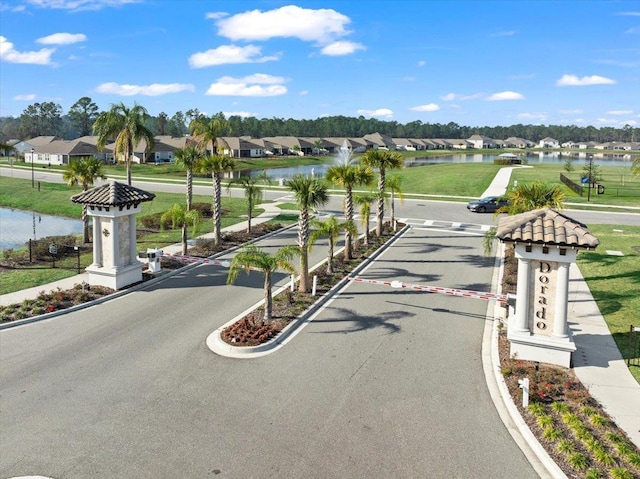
x: 546, y: 157
x: 17, y: 227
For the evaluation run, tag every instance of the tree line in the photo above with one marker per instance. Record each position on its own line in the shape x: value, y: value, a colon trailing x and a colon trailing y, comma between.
x: 48, y: 118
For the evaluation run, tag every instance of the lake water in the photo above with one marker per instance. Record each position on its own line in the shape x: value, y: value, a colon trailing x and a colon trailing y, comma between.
x: 18, y: 226
x: 608, y: 159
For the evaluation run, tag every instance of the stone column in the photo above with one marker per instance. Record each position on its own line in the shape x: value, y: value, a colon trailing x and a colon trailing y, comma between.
x: 521, y: 324
x: 97, y: 242
x: 133, y: 252
x: 115, y: 241
x: 562, y: 300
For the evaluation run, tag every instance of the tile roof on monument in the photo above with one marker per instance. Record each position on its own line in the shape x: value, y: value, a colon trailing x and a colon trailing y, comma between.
x: 113, y: 194
x: 545, y: 226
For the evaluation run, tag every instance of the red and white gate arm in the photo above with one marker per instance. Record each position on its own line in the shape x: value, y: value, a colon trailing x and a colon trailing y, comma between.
x: 465, y: 293
x: 196, y: 259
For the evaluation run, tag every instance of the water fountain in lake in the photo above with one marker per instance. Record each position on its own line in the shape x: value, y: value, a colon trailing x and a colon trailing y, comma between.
x: 344, y: 154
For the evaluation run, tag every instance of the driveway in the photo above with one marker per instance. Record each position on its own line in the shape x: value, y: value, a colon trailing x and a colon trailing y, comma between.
x: 383, y: 383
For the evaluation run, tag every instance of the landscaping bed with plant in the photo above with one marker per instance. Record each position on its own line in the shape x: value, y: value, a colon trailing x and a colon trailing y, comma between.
x: 252, y: 330
x: 572, y: 427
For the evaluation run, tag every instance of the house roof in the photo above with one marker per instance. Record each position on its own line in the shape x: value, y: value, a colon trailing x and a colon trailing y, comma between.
x: 41, y: 140
x: 113, y: 194
x: 66, y: 147
x: 547, y: 227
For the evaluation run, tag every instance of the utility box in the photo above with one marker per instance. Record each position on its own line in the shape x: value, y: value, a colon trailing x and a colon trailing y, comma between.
x: 154, y: 256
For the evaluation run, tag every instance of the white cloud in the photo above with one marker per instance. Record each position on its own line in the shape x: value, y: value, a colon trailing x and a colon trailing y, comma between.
x: 62, y: 39
x: 455, y: 96
x: 342, y: 48
x: 507, y: 33
x: 573, y: 80
x: 322, y: 26
x: 215, y: 15
x: 505, y: 95
x: 422, y: 63
x: 380, y: 112
x: 427, y: 107
x: 630, y: 14
x: 9, y: 54
x: 8, y: 8
x: 620, y: 112
x: 28, y: 97
x: 571, y: 112
x: 533, y: 116
x: 227, y: 54
x: 155, y: 89
x: 242, y: 114
x: 251, y: 85
x: 80, y: 4
x: 633, y: 30
x: 303, y: 92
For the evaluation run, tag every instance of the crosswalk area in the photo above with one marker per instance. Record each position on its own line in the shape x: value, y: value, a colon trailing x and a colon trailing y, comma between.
x: 446, y: 225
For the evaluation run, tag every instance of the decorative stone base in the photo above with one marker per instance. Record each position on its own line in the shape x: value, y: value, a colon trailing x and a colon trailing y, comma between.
x: 115, y: 278
x: 543, y: 349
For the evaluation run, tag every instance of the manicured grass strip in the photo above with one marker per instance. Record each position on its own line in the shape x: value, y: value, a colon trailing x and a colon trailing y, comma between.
x: 614, y: 280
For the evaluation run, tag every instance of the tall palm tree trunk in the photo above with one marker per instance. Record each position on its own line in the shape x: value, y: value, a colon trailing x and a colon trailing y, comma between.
x: 303, y: 243
x: 330, y: 256
x: 380, y: 213
x: 189, y: 188
x: 85, y: 224
x: 393, y: 212
x: 268, y: 298
x: 249, y: 211
x: 184, y: 239
x: 216, y: 208
x: 128, y: 160
x: 348, y: 213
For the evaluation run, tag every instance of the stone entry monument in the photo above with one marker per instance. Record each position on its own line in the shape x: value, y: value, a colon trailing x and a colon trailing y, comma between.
x: 546, y: 243
x: 113, y: 207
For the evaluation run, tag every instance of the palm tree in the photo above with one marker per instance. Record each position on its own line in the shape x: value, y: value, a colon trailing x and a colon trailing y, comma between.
x: 526, y: 197
x: 252, y: 192
x: 188, y: 158
x: 532, y: 196
x: 207, y: 130
x: 127, y: 126
x: 635, y: 166
x: 330, y: 228
x: 216, y: 165
x: 251, y: 257
x: 349, y: 176
x: 364, y: 200
x: 181, y: 217
x: 394, y: 187
x: 382, y: 160
x: 310, y: 193
x: 83, y: 171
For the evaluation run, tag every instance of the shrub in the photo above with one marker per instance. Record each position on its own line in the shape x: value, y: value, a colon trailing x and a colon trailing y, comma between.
x: 603, y: 457
x: 545, y: 421
x: 598, y: 420
x: 536, y: 409
x: 593, y: 474
x: 204, y: 209
x: 560, y: 407
x: 565, y: 446
x: 151, y: 221
x: 552, y: 434
x: 620, y: 473
x: 578, y: 461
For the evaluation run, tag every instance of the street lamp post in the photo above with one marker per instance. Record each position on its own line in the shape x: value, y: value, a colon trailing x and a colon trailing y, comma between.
x: 590, y: 178
x: 32, y: 181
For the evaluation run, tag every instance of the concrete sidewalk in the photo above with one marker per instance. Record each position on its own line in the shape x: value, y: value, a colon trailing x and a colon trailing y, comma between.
x: 597, y: 361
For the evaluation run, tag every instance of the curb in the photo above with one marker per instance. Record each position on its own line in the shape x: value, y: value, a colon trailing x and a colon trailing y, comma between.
x: 217, y: 345
x: 136, y: 287
x: 505, y: 406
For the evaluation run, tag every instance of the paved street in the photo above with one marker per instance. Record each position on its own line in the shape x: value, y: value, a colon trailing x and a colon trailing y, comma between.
x: 383, y: 383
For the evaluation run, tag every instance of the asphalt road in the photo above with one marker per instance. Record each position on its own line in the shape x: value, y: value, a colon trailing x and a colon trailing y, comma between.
x: 383, y: 383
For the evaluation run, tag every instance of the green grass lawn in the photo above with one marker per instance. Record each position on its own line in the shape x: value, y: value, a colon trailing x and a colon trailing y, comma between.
x: 614, y: 280
x: 620, y: 185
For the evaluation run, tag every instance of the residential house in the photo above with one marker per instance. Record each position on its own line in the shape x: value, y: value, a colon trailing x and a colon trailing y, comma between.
x: 380, y: 141
x: 481, y: 142
x: 549, y: 143
x: 516, y: 142
x: 242, y: 146
x: 61, y: 152
x: 26, y: 145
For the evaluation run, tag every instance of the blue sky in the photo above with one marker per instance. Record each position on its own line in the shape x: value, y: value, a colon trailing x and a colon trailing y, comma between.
x: 475, y: 63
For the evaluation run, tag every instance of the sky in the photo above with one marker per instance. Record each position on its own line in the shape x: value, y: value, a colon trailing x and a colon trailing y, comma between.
x: 475, y: 62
